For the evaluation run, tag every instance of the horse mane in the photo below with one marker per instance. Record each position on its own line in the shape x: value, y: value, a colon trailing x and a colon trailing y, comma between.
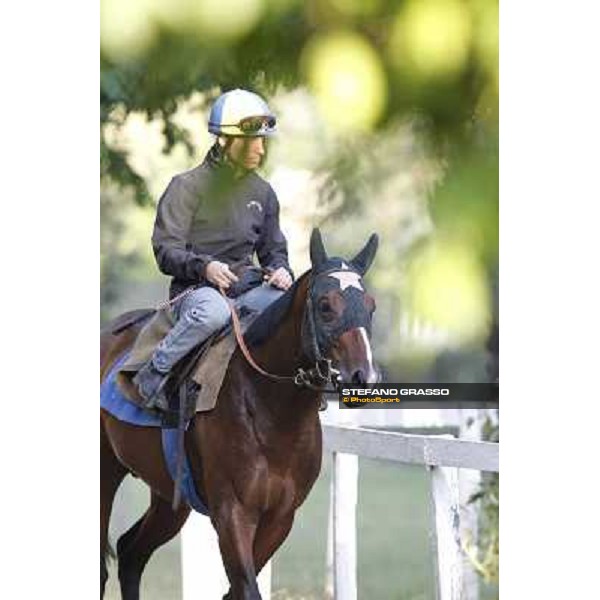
x: 267, y: 322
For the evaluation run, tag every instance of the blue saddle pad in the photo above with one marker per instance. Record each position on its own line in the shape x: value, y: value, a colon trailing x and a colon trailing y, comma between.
x: 113, y: 401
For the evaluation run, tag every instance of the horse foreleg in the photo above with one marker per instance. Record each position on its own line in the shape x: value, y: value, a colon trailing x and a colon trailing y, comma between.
x: 135, y: 547
x: 112, y: 473
x: 236, y: 529
x: 271, y: 533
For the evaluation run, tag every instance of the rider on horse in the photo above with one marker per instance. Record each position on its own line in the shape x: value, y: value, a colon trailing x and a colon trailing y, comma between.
x: 210, y: 222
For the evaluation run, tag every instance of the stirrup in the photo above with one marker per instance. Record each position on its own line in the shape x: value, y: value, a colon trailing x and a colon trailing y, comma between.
x: 156, y: 401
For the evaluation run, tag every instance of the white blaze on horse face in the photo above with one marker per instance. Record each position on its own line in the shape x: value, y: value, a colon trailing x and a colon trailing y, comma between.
x: 347, y: 279
x: 372, y: 374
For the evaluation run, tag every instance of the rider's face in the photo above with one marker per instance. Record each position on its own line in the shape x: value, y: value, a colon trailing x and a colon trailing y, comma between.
x: 247, y: 152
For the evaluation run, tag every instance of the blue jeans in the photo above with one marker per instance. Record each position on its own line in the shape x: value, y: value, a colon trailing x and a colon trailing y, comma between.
x: 201, y: 313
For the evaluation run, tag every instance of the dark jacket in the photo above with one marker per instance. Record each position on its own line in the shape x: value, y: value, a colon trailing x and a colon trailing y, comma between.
x: 208, y: 214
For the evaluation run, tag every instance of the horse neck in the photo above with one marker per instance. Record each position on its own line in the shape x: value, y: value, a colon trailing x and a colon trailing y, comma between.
x: 281, y: 353
x: 291, y: 408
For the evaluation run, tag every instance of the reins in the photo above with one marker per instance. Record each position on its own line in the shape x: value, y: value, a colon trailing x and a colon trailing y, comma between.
x: 316, y: 378
x: 237, y: 329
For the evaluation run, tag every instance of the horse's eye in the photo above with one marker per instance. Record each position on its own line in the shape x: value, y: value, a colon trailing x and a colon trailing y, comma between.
x: 325, y: 306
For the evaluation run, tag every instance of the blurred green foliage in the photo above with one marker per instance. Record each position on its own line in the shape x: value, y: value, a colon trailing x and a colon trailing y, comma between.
x: 124, y: 258
x: 403, y: 135
x: 367, y: 63
x: 403, y: 140
x: 370, y: 66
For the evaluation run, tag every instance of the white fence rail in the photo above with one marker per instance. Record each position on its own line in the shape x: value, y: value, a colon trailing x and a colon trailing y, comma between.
x: 430, y: 450
x: 443, y: 456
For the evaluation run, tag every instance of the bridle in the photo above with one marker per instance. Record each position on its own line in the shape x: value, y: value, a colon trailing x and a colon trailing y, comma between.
x: 316, y: 378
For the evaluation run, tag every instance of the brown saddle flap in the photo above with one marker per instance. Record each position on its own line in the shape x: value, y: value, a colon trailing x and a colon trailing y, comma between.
x: 211, y: 371
x: 149, y: 337
x: 208, y: 373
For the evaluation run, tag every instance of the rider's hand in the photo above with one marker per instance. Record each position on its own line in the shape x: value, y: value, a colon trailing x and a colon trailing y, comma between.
x: 219, y: 274
x: 280, y: 278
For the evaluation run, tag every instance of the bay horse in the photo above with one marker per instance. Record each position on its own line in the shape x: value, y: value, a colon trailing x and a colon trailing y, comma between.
x: 256, y: 455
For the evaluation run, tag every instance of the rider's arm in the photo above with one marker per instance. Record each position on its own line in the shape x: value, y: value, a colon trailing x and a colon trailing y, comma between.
x: 271, y: 247
x: 169, y: 240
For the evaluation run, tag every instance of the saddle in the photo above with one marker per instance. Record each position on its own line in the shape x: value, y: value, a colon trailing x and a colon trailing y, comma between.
x: 196, y: 379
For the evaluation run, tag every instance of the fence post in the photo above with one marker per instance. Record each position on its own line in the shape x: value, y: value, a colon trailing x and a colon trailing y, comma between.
x: 341, y: 571
x: 469, y: 483
x: 345, y: 496
x: 445, y: 533
x: 203, y: 575
x: 329, y: 583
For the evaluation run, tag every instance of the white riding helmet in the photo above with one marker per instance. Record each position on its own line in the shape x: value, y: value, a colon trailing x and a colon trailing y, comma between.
x: 241, y: 113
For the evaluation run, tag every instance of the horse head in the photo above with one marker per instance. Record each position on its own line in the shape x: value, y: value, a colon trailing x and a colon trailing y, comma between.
x: 339, y: 312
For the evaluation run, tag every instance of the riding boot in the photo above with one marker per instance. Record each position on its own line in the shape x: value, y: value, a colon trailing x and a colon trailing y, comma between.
x: 150, y: 384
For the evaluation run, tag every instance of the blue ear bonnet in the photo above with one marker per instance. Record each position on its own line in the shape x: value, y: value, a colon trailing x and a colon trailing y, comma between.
x: 334, y: 274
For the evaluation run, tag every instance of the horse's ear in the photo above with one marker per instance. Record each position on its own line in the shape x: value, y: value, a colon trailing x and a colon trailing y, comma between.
x: 362, y: 261
x: 317, y: 250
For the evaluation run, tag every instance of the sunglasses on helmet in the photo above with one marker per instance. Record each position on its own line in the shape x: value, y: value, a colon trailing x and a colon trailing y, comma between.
x: 254, y: 124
